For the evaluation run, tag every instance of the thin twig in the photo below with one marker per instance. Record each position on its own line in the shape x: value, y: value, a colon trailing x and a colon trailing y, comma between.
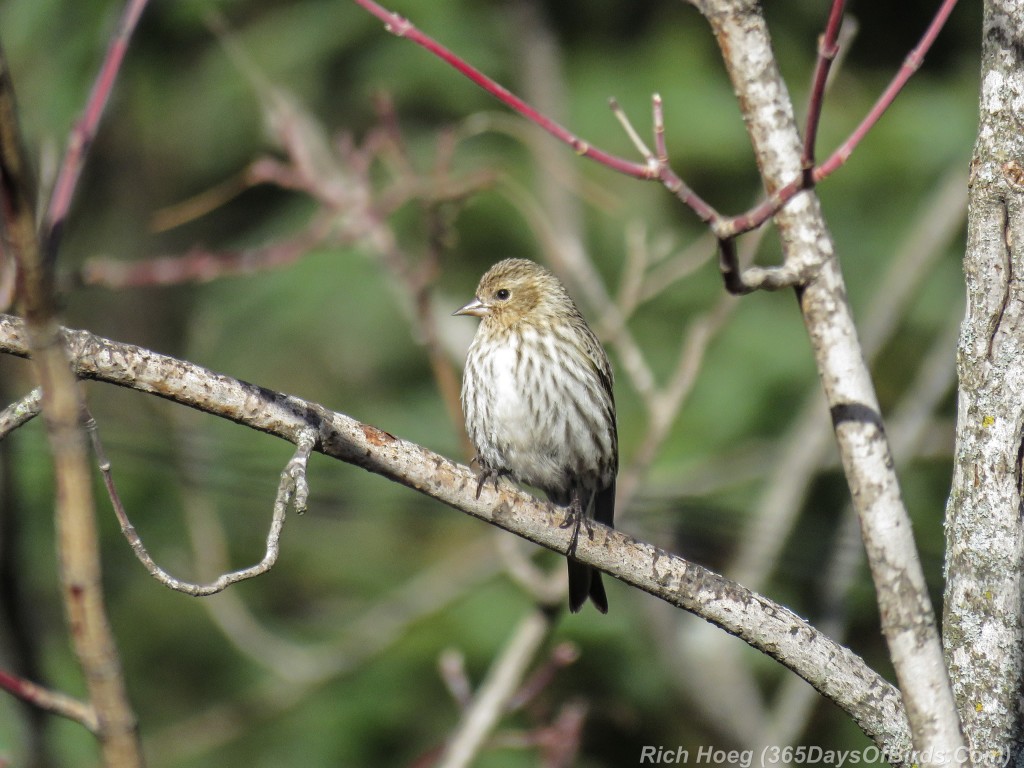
x: 910, y: 65
x: 85, y: 130
x: 401, y: 27
x: 636, y: 257
x: 292, y: 492
x: 50, y: 701
x: 634, y: 137
x: 491, y: 700
x: 670, y: 179
x: 451, y: 666
x: 21, y: 412
x: 828, y: 48
x: 774, y: 203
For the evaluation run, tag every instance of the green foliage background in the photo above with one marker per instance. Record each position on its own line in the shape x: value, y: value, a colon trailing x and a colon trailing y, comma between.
x: 331, y: 328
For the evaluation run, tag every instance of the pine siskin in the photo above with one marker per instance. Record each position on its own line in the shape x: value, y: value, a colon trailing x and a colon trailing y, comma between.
x: 537, y: 397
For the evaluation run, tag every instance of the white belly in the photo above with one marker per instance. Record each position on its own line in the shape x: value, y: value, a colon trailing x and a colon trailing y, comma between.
x: 509, y: 428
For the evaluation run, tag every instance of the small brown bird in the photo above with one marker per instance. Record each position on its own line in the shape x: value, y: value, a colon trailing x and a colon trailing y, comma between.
x: 537, y: 397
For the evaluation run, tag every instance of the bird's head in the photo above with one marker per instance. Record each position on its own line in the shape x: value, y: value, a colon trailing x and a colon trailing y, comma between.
x: 517, y: 289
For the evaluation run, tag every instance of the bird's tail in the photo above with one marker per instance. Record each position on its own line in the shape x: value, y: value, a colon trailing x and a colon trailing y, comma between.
x: 585, y: 582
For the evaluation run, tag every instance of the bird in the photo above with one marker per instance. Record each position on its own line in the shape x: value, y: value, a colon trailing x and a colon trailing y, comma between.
x: 538, y: 403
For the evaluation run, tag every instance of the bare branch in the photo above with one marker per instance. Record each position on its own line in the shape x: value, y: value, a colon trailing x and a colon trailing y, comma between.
x: 292, y: 491
x: 908, y: 619
x: 834, y: 670
x: 828, y: 48
x: 401, y: 27
x: 85, y: 129
x: 77, y: 537
x: 910, y: 66
x: 50, y: 701
x: 491, y: 700
x: 200, y: 265
x: 21, y: 412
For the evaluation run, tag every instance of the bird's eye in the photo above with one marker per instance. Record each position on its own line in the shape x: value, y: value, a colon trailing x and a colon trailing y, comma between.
x: 502, y: 294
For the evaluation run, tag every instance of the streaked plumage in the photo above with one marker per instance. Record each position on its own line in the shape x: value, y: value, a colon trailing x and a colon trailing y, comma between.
x: 537, y: 397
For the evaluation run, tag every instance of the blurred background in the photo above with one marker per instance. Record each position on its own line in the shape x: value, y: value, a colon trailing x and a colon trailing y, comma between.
x: 325, y: 195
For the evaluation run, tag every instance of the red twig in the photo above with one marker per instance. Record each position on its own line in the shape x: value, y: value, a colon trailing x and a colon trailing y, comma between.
x: 657, y: 162
x: 670, y: 179
x: 756, y: 216
x: 198, y: 265
x: 910, y: 65
x: 50, y: 701
x: 85, y: 129
x: 402, y: 27
x: 656, y: 166
x: 827, y: 49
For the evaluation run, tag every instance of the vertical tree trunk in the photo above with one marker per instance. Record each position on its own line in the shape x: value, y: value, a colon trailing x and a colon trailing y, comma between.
x: 982, y: 625
x: 907, y: 616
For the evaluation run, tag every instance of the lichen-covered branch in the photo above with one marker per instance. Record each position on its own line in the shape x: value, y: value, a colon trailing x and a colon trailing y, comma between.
x: 983, y: 635
x: 835, y: 671
x: 908, y: 619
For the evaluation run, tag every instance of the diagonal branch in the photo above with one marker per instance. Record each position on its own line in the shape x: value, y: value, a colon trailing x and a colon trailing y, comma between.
x: 85, y: 130
x: 402, y: 27
x: 835, y: 671
x: 50, y: 701
x: 20, y: 412
x: 491, y: 700
x: 908, y: 618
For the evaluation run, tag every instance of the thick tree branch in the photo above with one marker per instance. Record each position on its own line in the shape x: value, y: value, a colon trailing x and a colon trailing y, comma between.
x: 908, y: 619
x: 982, y: 629
x: 832, y: 669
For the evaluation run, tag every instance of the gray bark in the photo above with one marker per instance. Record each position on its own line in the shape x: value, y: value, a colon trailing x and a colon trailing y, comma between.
x: 907, y: 616
x: 982, y: 627
x: 835, y: 671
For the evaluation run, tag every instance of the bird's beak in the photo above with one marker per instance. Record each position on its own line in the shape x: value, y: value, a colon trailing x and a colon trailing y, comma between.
x: 476, y: 308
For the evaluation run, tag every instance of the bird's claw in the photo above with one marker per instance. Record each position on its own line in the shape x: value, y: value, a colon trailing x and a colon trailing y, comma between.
x: 574, y: 518
x: 485, y: 475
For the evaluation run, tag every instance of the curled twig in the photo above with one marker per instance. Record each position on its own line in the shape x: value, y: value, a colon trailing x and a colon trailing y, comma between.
x: 292, y: 492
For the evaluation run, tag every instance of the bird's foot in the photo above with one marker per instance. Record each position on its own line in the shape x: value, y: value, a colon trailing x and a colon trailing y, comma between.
x: 574, y: 518
x: 484, y: 475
